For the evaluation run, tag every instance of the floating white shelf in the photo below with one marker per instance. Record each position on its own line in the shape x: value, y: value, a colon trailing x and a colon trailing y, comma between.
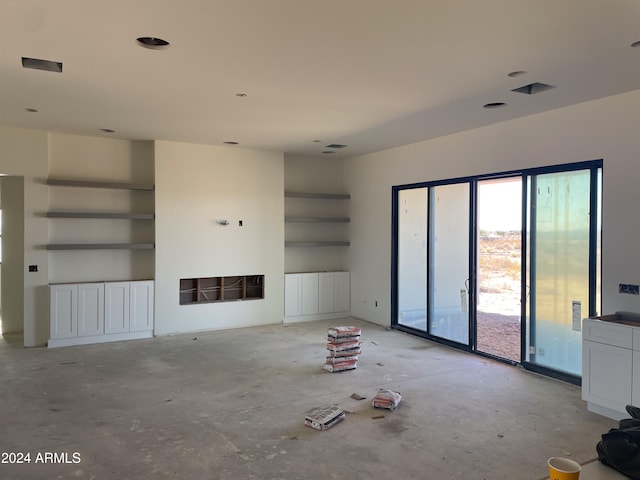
x: 317, y: 219
x: 317, y: 244
x: 126, y: 216
x: 100, y: 246
x: 62, y: 182
x: 322, y: 196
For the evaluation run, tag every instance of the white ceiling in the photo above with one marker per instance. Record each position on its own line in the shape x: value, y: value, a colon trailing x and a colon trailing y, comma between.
x: 371, y: 74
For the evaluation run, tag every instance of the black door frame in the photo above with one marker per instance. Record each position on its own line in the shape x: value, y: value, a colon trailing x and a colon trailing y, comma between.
x: 593, y: 165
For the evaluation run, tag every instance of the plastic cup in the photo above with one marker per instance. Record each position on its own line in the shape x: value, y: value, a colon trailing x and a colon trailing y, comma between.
x: 563, y: 469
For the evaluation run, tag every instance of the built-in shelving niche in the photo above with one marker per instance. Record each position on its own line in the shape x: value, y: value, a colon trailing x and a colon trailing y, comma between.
x: 221, y: 289
x: 310, y: 219
x: 79, y: 214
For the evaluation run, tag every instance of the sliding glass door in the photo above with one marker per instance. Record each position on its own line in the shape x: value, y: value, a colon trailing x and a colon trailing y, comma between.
x: 506, y: 265
x: 449, y: 262
x: 411, y: 265
x: 563, y: 238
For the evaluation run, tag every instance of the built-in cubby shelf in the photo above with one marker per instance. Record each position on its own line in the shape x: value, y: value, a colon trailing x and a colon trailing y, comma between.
x: 78, y: 183
x: 316, y: 219
x: 221, y: 289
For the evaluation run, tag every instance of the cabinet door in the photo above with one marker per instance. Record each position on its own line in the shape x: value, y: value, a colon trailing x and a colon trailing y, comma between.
x: 63, y: 311
x: 90, y: 309
x: 343, y: 292
x: 326, y: 292
x: 292, y: 295
x: 116, y: 307
x: 309, y: 293
x: 141, y: 306
x: 606, y: 375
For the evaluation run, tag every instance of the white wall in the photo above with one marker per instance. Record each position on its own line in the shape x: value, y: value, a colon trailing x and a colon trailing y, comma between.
x: 606, y: 128
x: 315, y: 175
x: 197, y: 185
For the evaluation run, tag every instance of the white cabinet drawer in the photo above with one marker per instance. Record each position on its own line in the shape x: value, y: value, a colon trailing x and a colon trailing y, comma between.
x: 608, y: 333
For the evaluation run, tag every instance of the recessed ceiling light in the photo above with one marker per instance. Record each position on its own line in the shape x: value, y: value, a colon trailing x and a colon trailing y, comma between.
x: 154, y: 43
x: 636, y: 44
x: 107, y: 130
x: 494, y: 105
x: 31, y: 110
x: 336, y: 145
x: 231, y: 143
x: 517, y: 73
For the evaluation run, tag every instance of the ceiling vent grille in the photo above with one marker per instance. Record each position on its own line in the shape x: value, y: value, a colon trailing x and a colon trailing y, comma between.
x: 46, y: 65
x: 532, y: 88
x: 335, y: 145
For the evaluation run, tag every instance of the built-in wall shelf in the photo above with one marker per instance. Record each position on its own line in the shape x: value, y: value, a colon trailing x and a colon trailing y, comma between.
x: 317, y: 219
x: 317, y: 244
x: 63, y: 182
x: 221, y: 289
x: 321, y: 196
x: 325, y: 215
x: 75, y: 214
x: 100, y: 246
x: 116, y: 215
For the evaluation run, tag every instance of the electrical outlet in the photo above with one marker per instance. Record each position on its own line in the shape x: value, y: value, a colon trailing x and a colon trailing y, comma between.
x: 33, y: 268
x: 629, y: 289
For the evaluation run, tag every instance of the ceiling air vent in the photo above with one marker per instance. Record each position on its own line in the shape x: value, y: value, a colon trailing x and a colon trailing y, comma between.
x: 535, y: 87
x: 335, y: 145
x: 46, y: 65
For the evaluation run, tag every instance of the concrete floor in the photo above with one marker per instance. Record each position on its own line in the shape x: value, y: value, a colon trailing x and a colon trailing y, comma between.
x: 231, y: 405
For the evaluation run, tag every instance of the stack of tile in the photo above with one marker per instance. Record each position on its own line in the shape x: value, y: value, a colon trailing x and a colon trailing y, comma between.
x: 343, y: 344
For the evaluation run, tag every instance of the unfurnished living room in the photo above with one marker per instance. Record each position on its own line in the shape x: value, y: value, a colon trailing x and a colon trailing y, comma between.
x: 195, y: 194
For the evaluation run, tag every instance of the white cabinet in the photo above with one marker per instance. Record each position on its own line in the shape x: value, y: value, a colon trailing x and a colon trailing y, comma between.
x: 116, y: 307
x: 326, y: 292
x: 293, y: 295
x: 316, y: 296
x: 309, y: 293
x: 90, y: 309
x: 141, y: 306
x: 86, y: 313
x: 610, y: 367
x: 342, y: 292
x: 334, y: 290
x: 64, y: 311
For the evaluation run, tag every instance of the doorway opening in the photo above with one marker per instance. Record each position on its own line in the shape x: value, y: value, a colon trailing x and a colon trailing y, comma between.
x: 499, y: 262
